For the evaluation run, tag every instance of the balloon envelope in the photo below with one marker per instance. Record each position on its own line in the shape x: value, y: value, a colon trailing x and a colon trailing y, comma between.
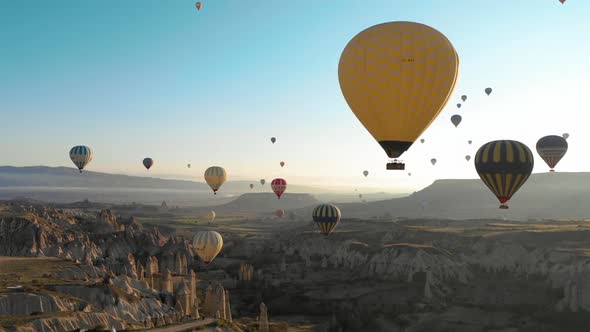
x: 565, y: 135
x: 251, y: 186
x: 433, y: 161
x: 282, y: 163
x: 262, y: 181
x: 422, y: 141
x: 273, y: 140
x: 198, y: 5
x: 365, y: 173
x: 456, y: 119
x: 148, y: 163
x: 278, y: 186
x: 468, y: 157
x: 469, y: 141
x: 463, y: 97
x: 504, y: 166
x: 81, y: 155
x: 207, y: 244
x: 381, y: 74
x: 488, y: 91
x: 188, y: 165
x: 327, y: 217
x: 215, y: 176
x: 551, y: 149
x: 458, y: 105
x: 210, y: 216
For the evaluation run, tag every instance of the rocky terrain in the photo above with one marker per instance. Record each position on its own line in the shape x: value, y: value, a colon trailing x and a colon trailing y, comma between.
x: 88, y: 266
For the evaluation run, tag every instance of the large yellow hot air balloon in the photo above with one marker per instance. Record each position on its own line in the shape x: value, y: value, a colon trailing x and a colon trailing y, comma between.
x: 207, y: 244
x: 396, y: 77
x: 215, y: 176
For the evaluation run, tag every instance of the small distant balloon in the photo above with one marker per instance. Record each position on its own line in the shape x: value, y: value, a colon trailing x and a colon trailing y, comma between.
x: 198, y: 5
x: 188, y: 165
x: 282, y: 163
x: 464, y: 98
x: 422, y: 141
x: 565, y: 135
x: 468, y: 157
x: 215, y: 176
x: 470, y: 141
x: 251, y: 186
x: 262, y: 181
x: 365, y: 173
x: 456, y: 120
x: 488, y: 91
x: 273, y: 140
x: 459, y: 105
x: 148, y: 163
x: 280, y: 213
x: 360, y: 195
x: 433, y: 161
x: 81, y: 155
x: 409, y: 174
x: 278, y: 186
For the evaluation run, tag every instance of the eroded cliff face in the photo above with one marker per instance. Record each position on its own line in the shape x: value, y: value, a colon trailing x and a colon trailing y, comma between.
x: 108, y: 280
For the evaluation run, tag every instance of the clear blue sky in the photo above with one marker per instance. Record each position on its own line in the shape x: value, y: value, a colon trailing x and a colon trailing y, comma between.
x: 157, y: 78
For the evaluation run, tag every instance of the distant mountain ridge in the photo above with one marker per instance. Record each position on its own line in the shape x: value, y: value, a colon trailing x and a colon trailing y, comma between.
x: 544, y: 195
x: 44, y: 176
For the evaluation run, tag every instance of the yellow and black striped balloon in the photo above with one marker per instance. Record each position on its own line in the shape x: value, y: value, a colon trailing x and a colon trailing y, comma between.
x: 326, y: 216
x: 504, y: 166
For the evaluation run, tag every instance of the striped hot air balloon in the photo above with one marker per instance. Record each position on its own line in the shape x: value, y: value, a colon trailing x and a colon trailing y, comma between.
x: 215, y: 176
x: 278, y: 186
x: 207, y: 244
x: 81, y: 155
x: 504, y: 166
x: 327, y: 217
x: 552, y: 148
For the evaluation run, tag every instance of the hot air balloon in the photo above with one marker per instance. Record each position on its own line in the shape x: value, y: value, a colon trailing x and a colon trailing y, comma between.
x: 215, y: 176
x: 278, y: 186
x: 422, y: 141
x: 565, y: 135
x: 381, y: 74
x: 488, y: 91
x: 433, y: 161
x: 365, y: 173
x: 458, y: 105
x: 409, y: 174
x: 251, y: 186
x: 327, y: 217
x: 210, y: 216
x: 262, y: 181
x: 282, y: 163
x: 562, y: 1
x: 280, y: 213
x: 198, y: 5
x: 81, y: 155
x: 273, y: 140
x: 148, y: 163
x: 463, y: 98
x: 552, y: 148
x: 468, y: 157
x: 469, y: 142
x: 207, y: 244
x: 504, y: 166
x: 456, y: 119
x: 360, y: 195
x: 188, y: 165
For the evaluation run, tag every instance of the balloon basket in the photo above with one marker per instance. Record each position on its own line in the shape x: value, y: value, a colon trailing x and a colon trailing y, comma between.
x: 395, y: 165
x: 504, y: 207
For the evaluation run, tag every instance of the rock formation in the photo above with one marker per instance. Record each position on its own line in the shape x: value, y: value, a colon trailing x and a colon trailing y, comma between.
x: 263, y: 318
